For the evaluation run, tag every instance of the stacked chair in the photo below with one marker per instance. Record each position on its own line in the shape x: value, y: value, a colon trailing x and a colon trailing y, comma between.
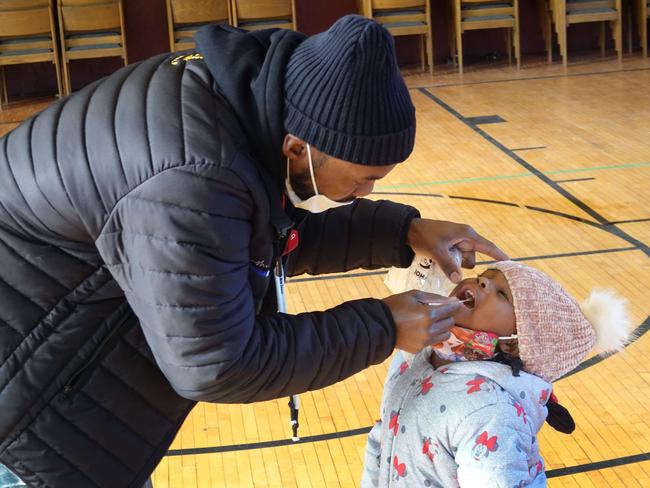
x: 643, y: 15
x: 90, y: 29
x: 264, y: 14
x: 569, y: 12
x: 404, y: 18
x: 546, y: 23
x: 27, y: 35
x: 486, y: 14
x: 185, y: 17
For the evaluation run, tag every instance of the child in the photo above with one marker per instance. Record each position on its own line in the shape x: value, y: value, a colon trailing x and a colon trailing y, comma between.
x: 451, y: 420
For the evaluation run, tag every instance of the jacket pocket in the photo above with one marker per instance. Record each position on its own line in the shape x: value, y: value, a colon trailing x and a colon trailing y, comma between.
x: 83, y: 373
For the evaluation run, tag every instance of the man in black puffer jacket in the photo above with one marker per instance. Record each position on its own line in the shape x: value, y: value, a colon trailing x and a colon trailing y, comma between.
x: 140, y: 222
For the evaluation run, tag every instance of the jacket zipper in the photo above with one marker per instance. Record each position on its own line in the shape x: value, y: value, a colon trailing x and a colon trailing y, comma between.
x: 80, y: 375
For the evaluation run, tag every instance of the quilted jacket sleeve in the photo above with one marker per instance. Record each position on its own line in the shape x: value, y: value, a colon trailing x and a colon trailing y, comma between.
x: 178, y: 246
x: 495, y: 448
x: 365, y: 234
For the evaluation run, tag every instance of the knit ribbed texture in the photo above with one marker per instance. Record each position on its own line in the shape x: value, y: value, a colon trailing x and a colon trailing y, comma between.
x: 553, y: 334
x: 344, y: 94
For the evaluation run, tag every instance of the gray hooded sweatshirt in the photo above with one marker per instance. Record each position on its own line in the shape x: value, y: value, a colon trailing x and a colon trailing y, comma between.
x: 470, y: 424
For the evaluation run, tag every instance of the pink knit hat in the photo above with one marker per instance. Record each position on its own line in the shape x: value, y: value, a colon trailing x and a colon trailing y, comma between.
x: 554, y: 332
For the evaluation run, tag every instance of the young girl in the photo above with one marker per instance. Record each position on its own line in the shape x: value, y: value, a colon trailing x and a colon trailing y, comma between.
x: 450, y: 419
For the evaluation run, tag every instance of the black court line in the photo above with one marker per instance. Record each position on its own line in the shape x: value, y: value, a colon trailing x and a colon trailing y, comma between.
x: 631, y: 221
x: 485, y: 119
x: 567, y: 254
x: 552, y: 473
x: 532, y: 78
x: 484, y: 200
x: 609, y: 463
x: 336, y: 276
x: 413, y: 194
x: 528, y: 148
x: 575, y: 179
x: 541, y: 176
x: 262, y: 445
x: 500, y: 202
x: 479, y: 263
x: 522, y: 162
x: 565, y: 215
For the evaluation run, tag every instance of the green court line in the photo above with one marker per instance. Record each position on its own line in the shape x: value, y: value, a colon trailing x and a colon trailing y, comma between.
x: 508, y: 177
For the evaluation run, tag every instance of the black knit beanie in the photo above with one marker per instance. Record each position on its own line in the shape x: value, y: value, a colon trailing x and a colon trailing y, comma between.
x: 344, y: 94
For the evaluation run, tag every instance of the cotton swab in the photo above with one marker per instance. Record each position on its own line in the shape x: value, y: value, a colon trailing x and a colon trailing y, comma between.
x: 437, y: 304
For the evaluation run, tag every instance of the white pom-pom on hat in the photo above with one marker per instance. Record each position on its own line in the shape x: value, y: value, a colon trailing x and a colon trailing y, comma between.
x: 607, y: 314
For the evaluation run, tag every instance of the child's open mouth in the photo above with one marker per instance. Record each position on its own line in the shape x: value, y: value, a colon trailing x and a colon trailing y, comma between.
x: 467, y: 297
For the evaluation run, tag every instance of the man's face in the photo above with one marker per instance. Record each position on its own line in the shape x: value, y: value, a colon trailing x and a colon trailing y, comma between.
x: 338, y: 180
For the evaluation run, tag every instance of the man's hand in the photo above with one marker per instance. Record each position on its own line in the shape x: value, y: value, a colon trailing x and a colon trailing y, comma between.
x: 419, y: 324
x: 435, y: 238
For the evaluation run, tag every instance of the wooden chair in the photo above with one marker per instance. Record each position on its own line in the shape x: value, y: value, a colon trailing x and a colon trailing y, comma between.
x: 263, y: 14
x: 404, y: 18
x: 486, y: 14
x: 185, y: 17
x: 546, y: 23
x: 90, y: 29
x: 568, y: 12
x: 27, y: 35
x: 643, y: 15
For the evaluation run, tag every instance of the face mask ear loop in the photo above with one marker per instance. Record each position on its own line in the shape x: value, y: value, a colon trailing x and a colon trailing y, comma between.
x: 507, y: 338
x: 311, y: 170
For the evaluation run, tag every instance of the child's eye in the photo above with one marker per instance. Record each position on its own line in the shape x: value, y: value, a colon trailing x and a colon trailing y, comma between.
x: 502, y: 294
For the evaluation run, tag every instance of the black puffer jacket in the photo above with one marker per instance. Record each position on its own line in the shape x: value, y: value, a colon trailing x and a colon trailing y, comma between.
x: 138, y: 218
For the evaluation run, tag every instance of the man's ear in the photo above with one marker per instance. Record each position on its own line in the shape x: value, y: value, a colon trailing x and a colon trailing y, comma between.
x: 293, y: 147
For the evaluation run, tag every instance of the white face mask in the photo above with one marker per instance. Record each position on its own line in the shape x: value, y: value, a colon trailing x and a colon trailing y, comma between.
x: 315, y: 204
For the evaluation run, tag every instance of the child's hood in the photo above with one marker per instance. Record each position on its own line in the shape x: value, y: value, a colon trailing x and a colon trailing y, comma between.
x: 526, y: 390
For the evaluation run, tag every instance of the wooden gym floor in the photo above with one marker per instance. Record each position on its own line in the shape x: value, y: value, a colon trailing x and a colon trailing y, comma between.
x: 554, y: 166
